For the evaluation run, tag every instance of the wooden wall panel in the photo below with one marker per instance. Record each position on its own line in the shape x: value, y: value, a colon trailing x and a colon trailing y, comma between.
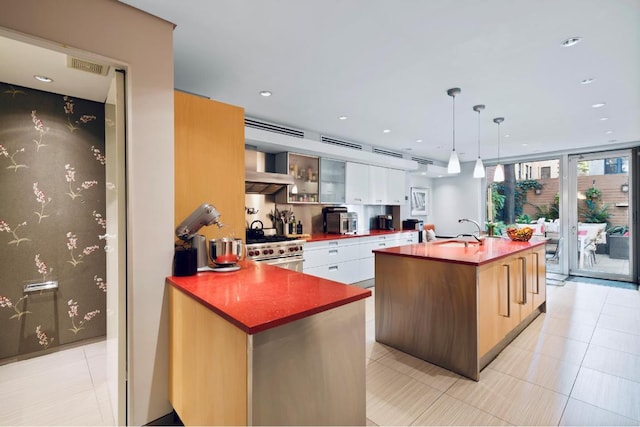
x: 209, y: 162
x: 207, y: 364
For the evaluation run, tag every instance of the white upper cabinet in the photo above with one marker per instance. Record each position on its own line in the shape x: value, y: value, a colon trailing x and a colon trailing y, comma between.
x: 377, y: 185
x: 396, y: 189
x: 374, y: 185
x: 357, y: 184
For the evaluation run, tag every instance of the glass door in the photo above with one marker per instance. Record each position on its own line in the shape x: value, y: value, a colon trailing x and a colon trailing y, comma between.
x: 529, y: 196
x: 600, y: 226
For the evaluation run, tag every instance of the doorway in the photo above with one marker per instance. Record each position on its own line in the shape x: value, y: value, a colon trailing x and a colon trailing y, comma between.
x: 600, y: 226
x: 95, y: 367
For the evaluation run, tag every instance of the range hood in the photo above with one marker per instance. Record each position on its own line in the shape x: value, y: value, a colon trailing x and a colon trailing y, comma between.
x: 257, y: 180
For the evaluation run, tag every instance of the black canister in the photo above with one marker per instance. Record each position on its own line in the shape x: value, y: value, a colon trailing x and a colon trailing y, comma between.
x: 185, y: 261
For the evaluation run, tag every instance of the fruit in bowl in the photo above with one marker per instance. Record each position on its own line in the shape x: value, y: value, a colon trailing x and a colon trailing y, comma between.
x: 520, y: 234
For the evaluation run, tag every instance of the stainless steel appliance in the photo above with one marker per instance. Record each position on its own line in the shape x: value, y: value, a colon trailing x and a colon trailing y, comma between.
x: 384, y: 222
x: 342, y: 222
x: 279, y: 251
x: 189, y: 258
x: 225, y: 251
x: 412, y: 224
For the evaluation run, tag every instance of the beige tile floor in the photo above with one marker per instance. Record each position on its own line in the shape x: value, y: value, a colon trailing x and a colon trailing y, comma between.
x: 63, y: 388
x: 578, y: 364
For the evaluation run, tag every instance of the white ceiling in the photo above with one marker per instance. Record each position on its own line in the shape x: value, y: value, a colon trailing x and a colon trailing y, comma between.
x: 21, y: 61
x: 387, y: 65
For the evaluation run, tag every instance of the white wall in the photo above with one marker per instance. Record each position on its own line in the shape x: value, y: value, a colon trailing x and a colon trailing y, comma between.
x: 145, y: 44
x: 415, y: 179
x: 455, y: 197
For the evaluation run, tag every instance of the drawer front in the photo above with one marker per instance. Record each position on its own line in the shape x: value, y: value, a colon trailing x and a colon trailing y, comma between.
x: 330, y: 254
x: 343, y: 272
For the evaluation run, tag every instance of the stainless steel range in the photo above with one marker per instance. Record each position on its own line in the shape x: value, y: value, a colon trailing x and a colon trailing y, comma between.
x: 280, y: 251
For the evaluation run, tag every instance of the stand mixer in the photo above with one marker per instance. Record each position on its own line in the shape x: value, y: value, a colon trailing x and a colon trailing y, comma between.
x: 189, y: 258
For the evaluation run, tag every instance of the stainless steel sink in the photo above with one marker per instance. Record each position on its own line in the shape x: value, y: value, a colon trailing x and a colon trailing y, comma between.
x: 455, y: 243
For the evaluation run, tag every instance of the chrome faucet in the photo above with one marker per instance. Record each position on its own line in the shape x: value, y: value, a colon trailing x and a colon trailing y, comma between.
x: 479, y: 238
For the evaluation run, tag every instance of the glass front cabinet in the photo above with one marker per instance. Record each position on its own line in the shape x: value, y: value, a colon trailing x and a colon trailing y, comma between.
x: 332, y: 181
x: 305, y: 171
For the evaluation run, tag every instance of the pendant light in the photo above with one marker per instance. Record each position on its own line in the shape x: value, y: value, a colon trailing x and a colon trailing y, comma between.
x: 454, y: 162
x: 499, y: 173
x: 478, y: 171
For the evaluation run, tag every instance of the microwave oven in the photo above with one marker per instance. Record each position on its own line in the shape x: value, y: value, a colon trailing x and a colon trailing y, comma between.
x: 342, y: 222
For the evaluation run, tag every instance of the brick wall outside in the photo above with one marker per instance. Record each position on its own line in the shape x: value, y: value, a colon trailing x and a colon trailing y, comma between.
x: 611, y: 195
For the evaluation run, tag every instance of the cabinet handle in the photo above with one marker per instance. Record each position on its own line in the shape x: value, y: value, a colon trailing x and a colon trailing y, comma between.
x: 508, y: 269
x: 333, y: 243
x: 524, y: 280
x: 357, y: 199
x: 333, y: 251
x: 333, y: 267
x: 537, y: 271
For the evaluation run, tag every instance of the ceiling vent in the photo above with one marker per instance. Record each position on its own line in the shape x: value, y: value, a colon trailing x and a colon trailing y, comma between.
x: 340, y: 143
x: 422, y: 161
x: 89, y: 67
x: 269, y: 127
x: 387, y: 153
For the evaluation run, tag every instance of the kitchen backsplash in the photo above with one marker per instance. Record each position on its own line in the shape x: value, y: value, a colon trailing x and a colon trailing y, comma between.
x: 310, y: 215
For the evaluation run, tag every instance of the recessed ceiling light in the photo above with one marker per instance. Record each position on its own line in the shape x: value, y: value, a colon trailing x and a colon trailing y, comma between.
x: 342, y: 117
x: 571, y: 41
x: 507, y: 135
x: 265, y: 93
x: 386, y: 130
x: 587, y: 81
x: 609, y: 132
x: 524, y: 144
x: 418, y: 140
x: 408, y: 149
x: 44, y: 79
x: 604, y: 118
x: 613, y: 140
x: 598, y: 105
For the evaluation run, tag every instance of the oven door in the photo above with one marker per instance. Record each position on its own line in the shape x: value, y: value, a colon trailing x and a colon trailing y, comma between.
x: 290, y: 263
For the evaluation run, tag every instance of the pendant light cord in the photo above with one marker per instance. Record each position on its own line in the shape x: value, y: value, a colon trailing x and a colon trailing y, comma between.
x: 454, y: 123
x: 498, y: 121
x: 479, y: 133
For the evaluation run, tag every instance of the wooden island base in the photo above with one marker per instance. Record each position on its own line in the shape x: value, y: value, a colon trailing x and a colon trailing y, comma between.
x: 457, y: 314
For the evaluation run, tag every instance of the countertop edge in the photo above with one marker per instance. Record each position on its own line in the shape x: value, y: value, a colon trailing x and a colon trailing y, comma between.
x: 530, y: 244
x: 320, y: 237
x: 273, y: 323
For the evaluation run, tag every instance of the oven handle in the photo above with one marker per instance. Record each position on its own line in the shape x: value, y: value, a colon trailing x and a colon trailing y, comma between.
x: 276, y: 261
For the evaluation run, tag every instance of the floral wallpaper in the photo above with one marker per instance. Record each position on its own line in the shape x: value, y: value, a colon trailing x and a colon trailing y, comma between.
x: 52, y: 220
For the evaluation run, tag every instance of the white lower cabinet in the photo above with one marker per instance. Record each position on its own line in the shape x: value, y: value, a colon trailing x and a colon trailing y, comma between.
x: 350, y: 260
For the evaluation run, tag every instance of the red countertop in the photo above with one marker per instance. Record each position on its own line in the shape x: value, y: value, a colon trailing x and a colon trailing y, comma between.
x: 474, y: 254
x: 260, y: 296
x: 317, y: 237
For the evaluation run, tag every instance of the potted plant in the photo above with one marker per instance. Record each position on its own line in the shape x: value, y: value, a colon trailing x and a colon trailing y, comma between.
x: 593, y: 193
x: 594, y: 212
x: 491, y: 228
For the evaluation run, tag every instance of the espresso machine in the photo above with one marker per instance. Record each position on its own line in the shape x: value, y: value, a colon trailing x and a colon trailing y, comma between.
x: 384, y: 222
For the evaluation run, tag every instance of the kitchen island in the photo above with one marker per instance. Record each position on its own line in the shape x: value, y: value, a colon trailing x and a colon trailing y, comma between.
x: 266, y: 346
x: 456, y: 303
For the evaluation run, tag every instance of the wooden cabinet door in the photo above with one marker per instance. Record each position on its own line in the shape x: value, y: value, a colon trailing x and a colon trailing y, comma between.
x: 538, y: 287
x: 493, y: 305
x: 514, y: 276
x: 209, y: 161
